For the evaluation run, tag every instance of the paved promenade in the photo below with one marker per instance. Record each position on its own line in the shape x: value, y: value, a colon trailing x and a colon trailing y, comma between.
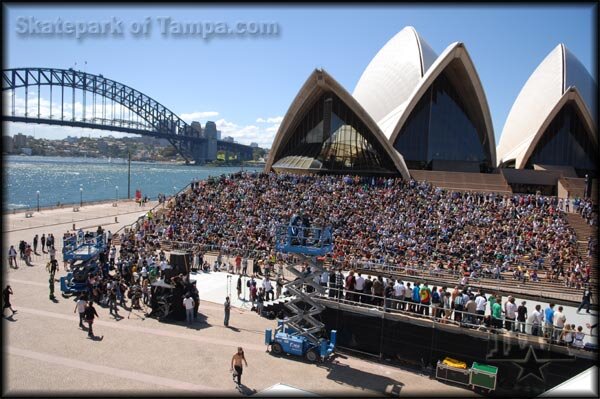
x: 45, y: 353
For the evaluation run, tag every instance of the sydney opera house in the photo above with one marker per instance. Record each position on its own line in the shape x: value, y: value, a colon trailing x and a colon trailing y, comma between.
x: 414, y: 113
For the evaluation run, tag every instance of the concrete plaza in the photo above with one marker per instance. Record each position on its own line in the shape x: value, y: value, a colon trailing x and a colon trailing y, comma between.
x: 45, y: 353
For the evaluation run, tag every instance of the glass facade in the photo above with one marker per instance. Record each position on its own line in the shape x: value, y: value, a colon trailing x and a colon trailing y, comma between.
x: 440, y: 127
x: 331, y: 138
x: 566, y: 141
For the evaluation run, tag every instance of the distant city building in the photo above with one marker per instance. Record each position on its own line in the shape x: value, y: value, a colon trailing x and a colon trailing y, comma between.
x: 229, y: 139
x: 254, y: 145
x: 197, y: 127
x: 8, y: 144
x: 210, y: 130
x: 218, y: 135
x: 70, y: 139
x: 26, y: 151
x: 20, y: 140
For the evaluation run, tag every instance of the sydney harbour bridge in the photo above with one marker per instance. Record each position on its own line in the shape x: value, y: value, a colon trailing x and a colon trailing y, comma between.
x: 67, y: 97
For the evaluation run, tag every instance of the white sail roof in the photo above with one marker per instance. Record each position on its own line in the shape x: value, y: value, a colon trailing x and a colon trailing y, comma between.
x: 392, y: 75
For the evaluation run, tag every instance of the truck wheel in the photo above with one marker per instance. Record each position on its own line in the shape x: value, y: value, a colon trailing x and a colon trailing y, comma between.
x: 276, y: 348
x: 312, y: 356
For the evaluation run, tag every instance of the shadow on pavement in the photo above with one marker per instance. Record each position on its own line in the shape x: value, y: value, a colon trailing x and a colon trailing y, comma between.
x: 350, y: 376
x: 9, y: 318
x: 245, y: 390
x: 347, y: 375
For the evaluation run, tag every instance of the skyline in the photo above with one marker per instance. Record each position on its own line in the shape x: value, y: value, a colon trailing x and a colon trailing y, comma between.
x: 246, y: 84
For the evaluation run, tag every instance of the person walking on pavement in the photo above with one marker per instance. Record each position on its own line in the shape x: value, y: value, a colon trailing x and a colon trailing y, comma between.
x: 12, y: 257
x: 43, y: 241
x: 112, y: 302
x: 227, y: 308
x: 52, y: 252
x: 35, y: 244
x: 586, y: 300
x: 239, y: 286
x: 51, y: 286
x: 188, y: 302
x: 28, y: 251
x: 90, y: 313
x: 80, y: 308
x: 6, y: 293
x: 236, y: 364
x: 22, y: 246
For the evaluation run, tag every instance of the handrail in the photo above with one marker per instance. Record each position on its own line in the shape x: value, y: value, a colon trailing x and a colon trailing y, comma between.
x: 390, y: 306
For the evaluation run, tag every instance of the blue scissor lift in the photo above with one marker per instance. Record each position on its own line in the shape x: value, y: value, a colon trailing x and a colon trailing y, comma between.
x: 297, y: 334
x: 84, y: 248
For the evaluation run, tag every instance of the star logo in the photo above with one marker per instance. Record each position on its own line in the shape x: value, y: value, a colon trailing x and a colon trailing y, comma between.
x: 530, y: 365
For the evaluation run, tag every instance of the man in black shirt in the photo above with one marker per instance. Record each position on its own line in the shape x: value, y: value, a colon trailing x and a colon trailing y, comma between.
x: 35, y: 244
x: 586, y: 300
x: 332, y: 286
x: 6, y: 293
x: 368, y: 290
x: 389, y: 294
x: 522, y: 317
x: 89, y: 314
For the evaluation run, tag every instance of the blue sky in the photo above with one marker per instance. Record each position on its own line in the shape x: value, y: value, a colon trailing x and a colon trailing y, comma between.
x: 246, y: 84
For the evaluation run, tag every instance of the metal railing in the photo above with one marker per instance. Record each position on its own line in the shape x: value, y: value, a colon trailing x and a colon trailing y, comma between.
x: 434, y: 313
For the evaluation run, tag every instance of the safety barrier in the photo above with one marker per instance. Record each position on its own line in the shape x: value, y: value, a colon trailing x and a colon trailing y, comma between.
x: 432, y: 313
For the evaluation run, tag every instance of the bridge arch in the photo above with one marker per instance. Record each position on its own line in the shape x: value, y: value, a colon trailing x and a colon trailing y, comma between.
x: 160, y: 121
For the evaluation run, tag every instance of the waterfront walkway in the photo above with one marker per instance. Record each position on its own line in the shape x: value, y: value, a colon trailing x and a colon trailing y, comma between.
x: 46, y: 353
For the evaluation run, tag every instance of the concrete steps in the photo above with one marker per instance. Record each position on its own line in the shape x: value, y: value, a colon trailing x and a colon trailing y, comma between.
x: 461, y: 181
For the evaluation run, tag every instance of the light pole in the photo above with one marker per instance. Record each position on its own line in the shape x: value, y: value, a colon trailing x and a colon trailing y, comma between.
x: 80, y: 196
x: 116, y: 193
x: 38, y: 200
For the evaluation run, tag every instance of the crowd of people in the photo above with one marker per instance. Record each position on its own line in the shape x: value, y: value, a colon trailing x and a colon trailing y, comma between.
x: 410, y: 224
x: 462, y: 305
x: 27, y: 250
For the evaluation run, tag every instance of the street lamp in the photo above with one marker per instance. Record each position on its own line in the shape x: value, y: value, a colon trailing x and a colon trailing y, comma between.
x: 116, y: 193
x: 80, y: 196
x: 38, y: 200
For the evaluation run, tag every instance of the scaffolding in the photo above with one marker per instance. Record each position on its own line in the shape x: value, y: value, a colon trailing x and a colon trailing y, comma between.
x: 307, y: 243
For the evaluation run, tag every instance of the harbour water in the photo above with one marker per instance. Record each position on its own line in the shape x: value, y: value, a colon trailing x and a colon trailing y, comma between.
x: 59, y: 179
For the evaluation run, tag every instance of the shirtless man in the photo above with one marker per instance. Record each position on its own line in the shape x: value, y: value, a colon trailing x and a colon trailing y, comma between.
x: 236, y: 362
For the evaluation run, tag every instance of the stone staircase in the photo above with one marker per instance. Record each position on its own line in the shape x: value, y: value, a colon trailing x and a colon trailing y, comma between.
x: 583, y: 230
x: 462, y: 181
